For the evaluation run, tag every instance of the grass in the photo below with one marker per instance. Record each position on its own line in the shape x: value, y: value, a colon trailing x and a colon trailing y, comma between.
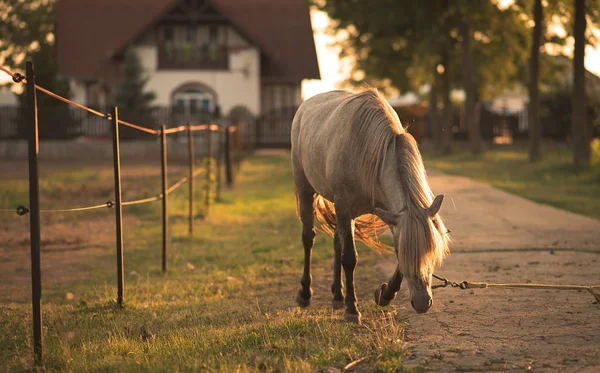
x: 226, y: 303
x: 553, y: 180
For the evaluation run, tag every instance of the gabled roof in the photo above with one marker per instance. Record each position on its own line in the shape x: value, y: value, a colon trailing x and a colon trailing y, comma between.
x: 91, y: 32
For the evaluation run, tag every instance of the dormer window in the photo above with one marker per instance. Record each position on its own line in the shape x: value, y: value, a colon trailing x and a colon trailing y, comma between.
x: 192, y: 46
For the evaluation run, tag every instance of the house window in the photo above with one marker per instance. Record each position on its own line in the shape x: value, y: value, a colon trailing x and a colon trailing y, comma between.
x: 213, y: 33
x: 193, y: 103
x: 192, y: 47
x: 192, y: 34
x: 168, y: 33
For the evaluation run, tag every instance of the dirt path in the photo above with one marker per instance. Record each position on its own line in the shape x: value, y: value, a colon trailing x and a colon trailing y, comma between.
x: 502, y: 238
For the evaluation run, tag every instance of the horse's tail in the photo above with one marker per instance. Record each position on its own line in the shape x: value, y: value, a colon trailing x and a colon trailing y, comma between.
x: 367, y: 228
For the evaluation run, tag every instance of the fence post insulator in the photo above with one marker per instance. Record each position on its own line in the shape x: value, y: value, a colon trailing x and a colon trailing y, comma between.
x: 17, y: 78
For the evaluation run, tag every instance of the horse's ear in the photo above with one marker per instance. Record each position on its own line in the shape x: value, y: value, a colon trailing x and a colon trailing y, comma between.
x: 388, y: 217
x: 436, y: 205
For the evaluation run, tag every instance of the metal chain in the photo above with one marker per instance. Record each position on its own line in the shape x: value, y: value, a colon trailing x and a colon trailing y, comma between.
x: 446, y: 283
x: 594, y: 289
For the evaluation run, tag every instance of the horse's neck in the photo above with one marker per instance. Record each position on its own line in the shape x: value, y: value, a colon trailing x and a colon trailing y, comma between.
x: 390, y: 193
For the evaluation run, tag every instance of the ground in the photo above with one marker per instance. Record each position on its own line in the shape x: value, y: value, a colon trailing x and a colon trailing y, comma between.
x: 501, y: 238
x: 227, y: 302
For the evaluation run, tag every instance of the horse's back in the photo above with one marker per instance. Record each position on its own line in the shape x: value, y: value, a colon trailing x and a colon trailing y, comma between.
x: 315, y: 130
x: 316, y: 111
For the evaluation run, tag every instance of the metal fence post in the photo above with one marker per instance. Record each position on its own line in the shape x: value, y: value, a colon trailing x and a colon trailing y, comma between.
x: 34, y: 214
x: 238, y: 147
x: 228, y: 168
x: 118, y: 205
x: 219, y: 163
x: 192, y: 180
x: 208, y: 167
x: 165, y: 199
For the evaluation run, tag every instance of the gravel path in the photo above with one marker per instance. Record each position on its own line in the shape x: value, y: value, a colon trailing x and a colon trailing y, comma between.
x: 502, y: 238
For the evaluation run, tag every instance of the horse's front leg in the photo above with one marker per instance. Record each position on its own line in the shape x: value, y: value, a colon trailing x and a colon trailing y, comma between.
x: 345, y: 234
x: 386, y: 292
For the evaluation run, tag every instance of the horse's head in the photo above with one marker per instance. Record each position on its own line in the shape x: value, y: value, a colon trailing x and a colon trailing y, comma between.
x: 421, y: 243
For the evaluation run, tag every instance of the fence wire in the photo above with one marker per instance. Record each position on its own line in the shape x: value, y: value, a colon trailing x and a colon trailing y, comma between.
x: 18, y: 78
x: 22, y: 210
x: 141, y: 201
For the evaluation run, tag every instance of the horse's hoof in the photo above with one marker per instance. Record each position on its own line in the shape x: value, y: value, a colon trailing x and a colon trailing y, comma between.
x: 301, y: 301
x: 351, y: 317
x: 379, y: 299
x: 337, y: 304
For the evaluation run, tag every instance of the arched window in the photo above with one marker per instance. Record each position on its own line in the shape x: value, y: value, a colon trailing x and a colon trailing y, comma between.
x: 193, y: 99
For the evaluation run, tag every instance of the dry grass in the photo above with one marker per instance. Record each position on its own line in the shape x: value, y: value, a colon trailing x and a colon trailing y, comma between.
x: 226, y: 303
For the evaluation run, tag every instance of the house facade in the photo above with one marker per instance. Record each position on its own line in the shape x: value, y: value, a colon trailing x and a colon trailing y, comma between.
x: 198, y: 55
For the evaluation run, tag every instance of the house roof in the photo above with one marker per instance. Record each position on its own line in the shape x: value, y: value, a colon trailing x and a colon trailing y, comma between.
x: 91, y: 32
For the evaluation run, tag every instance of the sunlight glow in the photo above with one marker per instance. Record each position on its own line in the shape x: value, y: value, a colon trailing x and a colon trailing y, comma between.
x: 329, y: 62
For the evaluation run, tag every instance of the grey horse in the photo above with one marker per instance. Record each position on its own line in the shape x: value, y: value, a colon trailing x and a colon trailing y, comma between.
x: 359, y: 173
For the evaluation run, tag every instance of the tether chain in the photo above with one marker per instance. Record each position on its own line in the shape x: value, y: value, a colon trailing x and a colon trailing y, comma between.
x: 594, y: 289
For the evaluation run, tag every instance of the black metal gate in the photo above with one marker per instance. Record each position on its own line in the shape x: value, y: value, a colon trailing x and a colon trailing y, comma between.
x: 273, y: 128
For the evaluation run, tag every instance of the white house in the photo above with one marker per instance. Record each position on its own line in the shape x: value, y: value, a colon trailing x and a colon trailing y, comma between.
x: 198, y: 54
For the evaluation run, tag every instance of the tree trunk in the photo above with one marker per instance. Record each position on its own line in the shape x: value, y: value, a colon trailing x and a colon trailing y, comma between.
x: 446, y: 135
x: 535, y: 130
x: 467, y: 62
x: 434, y: 118
x: 581, y: 144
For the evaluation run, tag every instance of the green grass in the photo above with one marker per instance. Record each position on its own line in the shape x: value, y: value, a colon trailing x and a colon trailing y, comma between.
x: 553, y: 180
x: 226, y: 303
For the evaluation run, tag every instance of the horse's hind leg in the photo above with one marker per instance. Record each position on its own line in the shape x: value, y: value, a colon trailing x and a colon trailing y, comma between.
x: 386, y: 292
x: 305, y: 199
x: 345, y: 234
x: 337, y: 288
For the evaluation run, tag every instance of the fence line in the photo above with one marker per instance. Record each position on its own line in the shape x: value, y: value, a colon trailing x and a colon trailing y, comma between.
x: 34, y: 208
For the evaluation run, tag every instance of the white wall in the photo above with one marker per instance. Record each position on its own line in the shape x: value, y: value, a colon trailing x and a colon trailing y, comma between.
x: 276, y: 96
x: 78, y: 92
x: 7, y: 97
x: 231, y: 86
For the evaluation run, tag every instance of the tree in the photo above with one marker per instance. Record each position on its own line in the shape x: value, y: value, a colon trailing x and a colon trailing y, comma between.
x: 467, y: 65
x: 581, y: 142
x: 535, y: 130
x: 133, y: 102
x: 55, y: 118
x: 399, y: 44
x: 27, y: 34
x: 25, y: 26
x: 448, y: 113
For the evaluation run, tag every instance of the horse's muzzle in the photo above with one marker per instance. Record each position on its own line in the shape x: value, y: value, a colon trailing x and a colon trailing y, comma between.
x: 422, y: 305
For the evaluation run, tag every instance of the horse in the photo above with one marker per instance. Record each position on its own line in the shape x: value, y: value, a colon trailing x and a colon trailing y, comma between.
x: 360, y: 173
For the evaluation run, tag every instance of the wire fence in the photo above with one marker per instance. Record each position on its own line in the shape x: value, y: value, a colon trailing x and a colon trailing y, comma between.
x: 229, y: 150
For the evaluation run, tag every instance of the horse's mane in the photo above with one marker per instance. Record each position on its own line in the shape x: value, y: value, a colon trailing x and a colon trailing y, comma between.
x: 423, y: 242
x: 375, y: 126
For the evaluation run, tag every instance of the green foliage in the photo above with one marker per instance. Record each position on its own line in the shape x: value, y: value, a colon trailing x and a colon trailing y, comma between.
x: 27, y: 34
x: 24, y: 26
x: 399, y: 43
x: 135, y: 105
x: 55, y: 118
x: 551, y: 180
